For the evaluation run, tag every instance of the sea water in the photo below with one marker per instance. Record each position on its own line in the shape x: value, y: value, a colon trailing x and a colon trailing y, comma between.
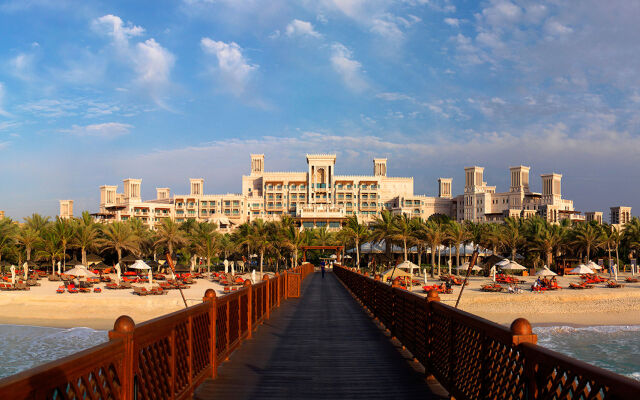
x: 24, y: 347
x: 616, y: 348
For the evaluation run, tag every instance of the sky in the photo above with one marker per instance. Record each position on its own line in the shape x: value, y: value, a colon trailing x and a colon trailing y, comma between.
x: 93, y: 92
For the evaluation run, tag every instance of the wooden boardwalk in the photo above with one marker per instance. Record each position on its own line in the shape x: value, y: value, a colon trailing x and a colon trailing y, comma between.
x: 321, y: 346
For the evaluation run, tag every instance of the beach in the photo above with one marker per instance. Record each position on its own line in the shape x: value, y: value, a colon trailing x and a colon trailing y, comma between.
x: 42, y: 306
x: 587, y: 307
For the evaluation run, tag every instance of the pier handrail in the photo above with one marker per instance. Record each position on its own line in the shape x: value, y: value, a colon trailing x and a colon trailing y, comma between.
x: 473, y: 357
x: 163, y: 358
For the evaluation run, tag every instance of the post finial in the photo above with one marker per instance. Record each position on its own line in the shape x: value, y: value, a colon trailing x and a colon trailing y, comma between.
x: 520, y: 326
x: 209, y: 294
x: 433, y: 295
x: 124, y: 324
x: 247, y: 282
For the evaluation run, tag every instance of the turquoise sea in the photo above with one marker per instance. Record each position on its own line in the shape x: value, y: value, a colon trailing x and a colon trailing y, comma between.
x: 616, y: 348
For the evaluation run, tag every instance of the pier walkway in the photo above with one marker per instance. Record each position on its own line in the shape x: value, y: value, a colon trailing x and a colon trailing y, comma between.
x: 320, y: 346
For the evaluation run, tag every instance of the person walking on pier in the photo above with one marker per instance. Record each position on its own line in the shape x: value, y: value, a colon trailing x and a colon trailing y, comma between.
x: 322, y: 268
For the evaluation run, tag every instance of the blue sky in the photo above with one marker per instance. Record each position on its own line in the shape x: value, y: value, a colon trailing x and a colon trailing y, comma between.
x: 93, y: 92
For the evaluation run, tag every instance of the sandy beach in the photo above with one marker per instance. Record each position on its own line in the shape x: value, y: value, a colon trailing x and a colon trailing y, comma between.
x: 597, y: 306
x: 42, y: 306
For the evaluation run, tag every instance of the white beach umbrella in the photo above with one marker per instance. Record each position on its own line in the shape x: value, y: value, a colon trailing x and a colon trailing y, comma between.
x: 80, y: 270
x: 59, y: 268
x: 581, y: 269
x: 465, y: 266
x: 493, y: 273
x: 513, y: 266
x: 13, y: 274
x: 501, y: 263
x: 231, y: 264
x: 118, y: 273
x: 545, y: 272
x: 25, y: 266
x: 424, y: 271
x: 226, y: 266
x: 253, y: 276
x: 193, y: 263
x: 408, y: 265
x: 347, y: 256
x: 449, y: 264
x: 333, y: 256
x: 615, y: 271
x: 593, y: 265
x: 139, y: 264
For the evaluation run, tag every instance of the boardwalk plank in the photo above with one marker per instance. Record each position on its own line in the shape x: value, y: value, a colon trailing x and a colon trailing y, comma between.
x: 321, y: 346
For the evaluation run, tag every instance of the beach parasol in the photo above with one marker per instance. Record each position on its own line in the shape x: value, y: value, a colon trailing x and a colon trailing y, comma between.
x: 545, y: 272
x: 449, y: 264
x: 615, y: 271
x: 581, y: 269
x: 59, y: 268
x: 593, y: 265
x: 139, y: 264
x: 408, y: 265
x: 425, y: 276
x: 466, y: 266
x: 80, y: 270
x: 493, y: 273
x: 253, y: 276
x: 512, y: 266
x: 150, y: 278
x: 501, y: 263
x: 13, y: 274
x: 347, y: 256
x: 25, y: 266
x: 226, y: 266
x: 231, y: 264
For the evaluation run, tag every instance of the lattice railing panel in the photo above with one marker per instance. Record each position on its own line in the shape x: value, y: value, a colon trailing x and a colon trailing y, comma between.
x: 201, y: 343
x: 154, y: 370
x: 565, y: 384
x: 221, y: 328
x: 504, y: 371
x: 234, y: 308
x: 244, y: 312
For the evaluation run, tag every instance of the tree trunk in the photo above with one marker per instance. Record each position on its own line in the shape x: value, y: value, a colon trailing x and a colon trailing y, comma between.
x: 84, y: 256
x: 261, y: 260
x: 358, y: 253
x: 457, y: 254
x: 405, y: 249
x: 433, y: 260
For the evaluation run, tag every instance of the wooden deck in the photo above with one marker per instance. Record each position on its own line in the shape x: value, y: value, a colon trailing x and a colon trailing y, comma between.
x: 321, y: 346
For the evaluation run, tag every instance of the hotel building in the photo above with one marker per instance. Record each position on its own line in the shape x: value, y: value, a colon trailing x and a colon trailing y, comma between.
x: 321, y: 197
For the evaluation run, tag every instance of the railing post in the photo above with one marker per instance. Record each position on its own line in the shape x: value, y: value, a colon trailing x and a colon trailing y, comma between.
x: 521, y: 332
x: 278, y: 288
x: 124, y: 328
x: 432, y: 296
x: 286, y: 285
x: 249, y: 287
x: 266, y: 296
x: 210, y: 295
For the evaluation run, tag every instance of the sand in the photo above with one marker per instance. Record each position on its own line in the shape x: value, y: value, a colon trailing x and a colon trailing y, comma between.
x: 597, y: 306
x: 42, y: 306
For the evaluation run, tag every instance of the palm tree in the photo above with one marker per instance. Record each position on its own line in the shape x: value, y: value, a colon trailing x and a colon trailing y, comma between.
x: 381, y: 229
x: 205, y: 239
x: 611, y: 240
x: 65, y: 231
x: 37, y: 222
x: 118, y: 236
x: 587, y: 236
x: 356, y: 232
x: 7, y: 236
x: 511, y: 236
x: 170, y: 234
x: 402, y: 231
x: 261, y: 239
x: 86, y: 238
x: 434, y: 234
x: 293, y: 240
x: 51, y: 248
x: 28, y: 239
x: 547, y: 240
x: 459, y: 235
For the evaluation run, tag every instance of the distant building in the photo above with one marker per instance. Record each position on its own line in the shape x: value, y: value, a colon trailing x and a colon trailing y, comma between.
x: 620, y: 215
x: 66, y: 209
x: 593, y: 216
x: 321, y: 197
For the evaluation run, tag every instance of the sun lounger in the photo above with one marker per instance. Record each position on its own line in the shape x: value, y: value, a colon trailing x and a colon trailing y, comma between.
x: 84, y: 290
x: 72, y: 290
x: 631, y: 280
x: 60, y: 289
x: 111, y: 285
x: 97, y: 290
x: 613, y: 285
x: 492, y: 288
x: 140, y: 291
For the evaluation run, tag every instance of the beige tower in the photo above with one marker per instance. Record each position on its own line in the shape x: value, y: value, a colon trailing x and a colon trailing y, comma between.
x: 107, y: 196
x: 551, y: 188
x: 620, y: 215
x: 66, y: 209
x: 379, y: 167
x: 444, y: 187
x: 519, y: 178
x: 257, y: 164
x: 197, y: 187
x: 321, y: 168
x: 473, y: 179
x: 163, y: 193
x: 593, y: 216
x: 132, y: 189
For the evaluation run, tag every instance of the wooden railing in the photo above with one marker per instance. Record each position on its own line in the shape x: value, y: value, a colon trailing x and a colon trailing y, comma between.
x: 475, y: 358
x: 164, y: 358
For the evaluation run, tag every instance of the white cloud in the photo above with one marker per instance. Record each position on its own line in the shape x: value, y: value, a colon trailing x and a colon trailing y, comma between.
x: 233, y: 68
x: 22, y: 65
x: 107, y: 130
x: 151, y: 63
x: 347, y: 67
x: 502, y: 13
x: 452, y: 22
x: 301, y: 28
x: 555, y: 28
x: 3, y: 112
x: 393, y: 96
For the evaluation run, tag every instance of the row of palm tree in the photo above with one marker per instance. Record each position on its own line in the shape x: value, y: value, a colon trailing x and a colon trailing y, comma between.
x: 278, y: 243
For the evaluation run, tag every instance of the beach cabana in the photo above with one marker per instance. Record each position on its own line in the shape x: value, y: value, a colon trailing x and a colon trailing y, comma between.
x: 81, y: 271
x: 512, y: 266
x: 465, y: 267
x: 581, y: 269
x: 545, y: 272
x: 390, y: 274
x: 139, y: 264
x: 93, y: 259
x: 408, y: 265
x: 130, y: 259
x: 593, y: 265
x: 100, y: 266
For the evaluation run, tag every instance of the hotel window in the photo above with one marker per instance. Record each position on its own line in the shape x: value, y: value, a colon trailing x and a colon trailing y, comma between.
x: 363, y: 186
x: 226, y: 211
x: 293, y: 187
x: 302, y: 186
x: 236, y: 203
x: 227, y: 203
x: 302, y: 197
